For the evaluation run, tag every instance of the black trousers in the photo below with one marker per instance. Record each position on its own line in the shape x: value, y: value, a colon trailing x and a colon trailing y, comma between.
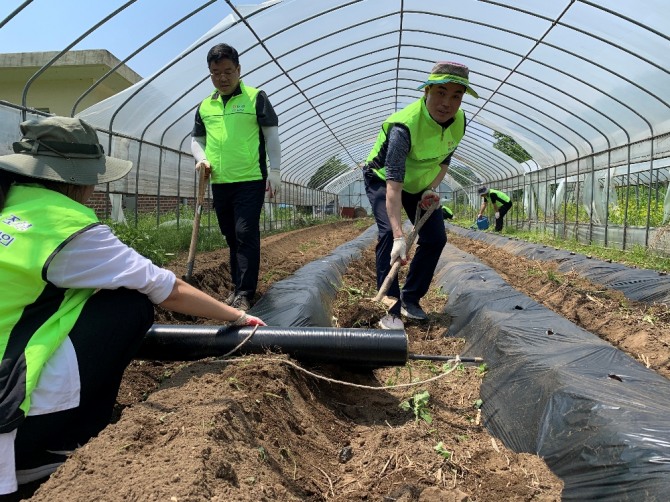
x: 105, y: 338
x: 431, y: 241
x: 238, y: 211
x: 503, y: 211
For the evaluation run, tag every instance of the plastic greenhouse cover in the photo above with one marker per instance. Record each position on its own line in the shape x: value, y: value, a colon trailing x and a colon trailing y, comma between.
x: 565, y: 78
x: 599, y: 419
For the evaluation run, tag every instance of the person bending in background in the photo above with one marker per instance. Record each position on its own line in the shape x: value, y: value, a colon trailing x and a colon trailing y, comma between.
x: 77, y: 301
x: 499, y: 200
x: 406, y: 165
x: 235, y: 130
x: 447, y: 213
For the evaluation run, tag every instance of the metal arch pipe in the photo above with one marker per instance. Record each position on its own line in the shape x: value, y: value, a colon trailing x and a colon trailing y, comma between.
x: 46, y: 66
x: 15, y: 12
x: 346, y: 346
x: 134, y: 53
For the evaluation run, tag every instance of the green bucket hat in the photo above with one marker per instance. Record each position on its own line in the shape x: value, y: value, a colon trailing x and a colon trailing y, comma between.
x: 63, y: 149
x: 444, y: 72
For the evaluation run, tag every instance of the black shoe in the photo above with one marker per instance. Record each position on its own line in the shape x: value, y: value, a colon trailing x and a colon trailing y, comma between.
x: 40, y: 465
x: 230, y: 299
x: 241, y: 303
x: 413, y: 311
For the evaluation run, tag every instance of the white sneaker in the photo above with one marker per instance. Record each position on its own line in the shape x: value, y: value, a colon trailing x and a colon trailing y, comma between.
x: 390, y: 321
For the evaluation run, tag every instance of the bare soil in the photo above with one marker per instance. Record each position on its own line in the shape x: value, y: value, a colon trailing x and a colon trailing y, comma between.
x: 265, y: 428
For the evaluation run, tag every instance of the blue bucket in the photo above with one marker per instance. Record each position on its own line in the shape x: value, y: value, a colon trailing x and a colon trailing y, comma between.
x: 482, y: 223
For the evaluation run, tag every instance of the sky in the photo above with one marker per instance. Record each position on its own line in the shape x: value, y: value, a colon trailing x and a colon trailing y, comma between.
x: 52, y: 25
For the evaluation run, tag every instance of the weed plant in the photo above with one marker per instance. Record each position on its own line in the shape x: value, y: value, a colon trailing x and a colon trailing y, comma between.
x: 161, y: 238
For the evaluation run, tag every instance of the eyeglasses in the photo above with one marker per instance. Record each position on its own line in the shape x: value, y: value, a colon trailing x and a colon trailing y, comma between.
x: 226, y: 73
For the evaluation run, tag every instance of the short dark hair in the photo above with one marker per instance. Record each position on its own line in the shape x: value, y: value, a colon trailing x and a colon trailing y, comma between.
x: 223, y: 51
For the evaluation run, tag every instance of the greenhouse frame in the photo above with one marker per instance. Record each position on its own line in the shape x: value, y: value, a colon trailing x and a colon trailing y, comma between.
x: 580, y: 86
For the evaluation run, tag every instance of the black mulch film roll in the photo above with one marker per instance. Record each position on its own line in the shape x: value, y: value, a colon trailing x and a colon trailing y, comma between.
x: 357, y: 347
x: 302, y: 306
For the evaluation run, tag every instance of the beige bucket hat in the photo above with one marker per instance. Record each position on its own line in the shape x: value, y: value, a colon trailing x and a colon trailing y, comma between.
x: 63, y: 149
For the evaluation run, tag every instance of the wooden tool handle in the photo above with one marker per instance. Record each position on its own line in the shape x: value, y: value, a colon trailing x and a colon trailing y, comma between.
x: 410, y: 242
x: 202, y: 185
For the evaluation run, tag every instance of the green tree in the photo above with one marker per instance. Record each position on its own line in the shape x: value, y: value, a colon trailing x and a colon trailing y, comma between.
x: 510, y: 147
x: 330, y: 169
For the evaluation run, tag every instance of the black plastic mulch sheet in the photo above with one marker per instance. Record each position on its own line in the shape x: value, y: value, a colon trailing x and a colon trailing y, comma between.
x: 306, y: 297
x: 599, y: 418
x: 638, y: 284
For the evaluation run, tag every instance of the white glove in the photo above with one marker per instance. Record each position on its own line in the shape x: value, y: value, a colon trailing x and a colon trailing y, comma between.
x: 497, y: 215
x: 399, y: 250
x: 248, y: 320
x: 204, y: 164
x: 273, y: 183
x: 429, y: 198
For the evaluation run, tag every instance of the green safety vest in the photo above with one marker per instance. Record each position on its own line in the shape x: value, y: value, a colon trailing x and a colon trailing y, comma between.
x: 448, y: 211
x: 36, y: 316
x: 501, y: 196
x: 430, y: 144
x: 233, y: 136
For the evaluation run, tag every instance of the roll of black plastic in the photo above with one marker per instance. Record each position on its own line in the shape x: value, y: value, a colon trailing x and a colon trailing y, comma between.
x: 344, y: 346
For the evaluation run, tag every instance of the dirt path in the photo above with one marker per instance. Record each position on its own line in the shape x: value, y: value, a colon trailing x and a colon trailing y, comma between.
x: 263, y: 428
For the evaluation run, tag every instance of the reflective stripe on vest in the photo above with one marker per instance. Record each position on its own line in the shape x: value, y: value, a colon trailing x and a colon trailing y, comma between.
x: 430, y: 144
x: 233, y: 136
x: 35, y: 319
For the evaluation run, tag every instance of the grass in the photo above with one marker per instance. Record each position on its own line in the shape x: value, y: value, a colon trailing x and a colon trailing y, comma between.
x: 163, y: 242
x: 160, y: 240
x: 637, y: 256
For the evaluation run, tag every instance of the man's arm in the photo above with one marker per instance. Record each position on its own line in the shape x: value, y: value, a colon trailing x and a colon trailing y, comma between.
x: 198, y: 151
x: 198, y: 148
x: 482, y: 208
x: 272, y: 145
x: 198, y: 143
x: 394, y: 207
x: 440, y: 176
x: 495, y: 201
x: 269, y: 122
x: 399, y: 143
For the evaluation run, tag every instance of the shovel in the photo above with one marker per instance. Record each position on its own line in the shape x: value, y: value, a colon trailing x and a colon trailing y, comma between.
x: 410, y: 242
x: 196, y: 224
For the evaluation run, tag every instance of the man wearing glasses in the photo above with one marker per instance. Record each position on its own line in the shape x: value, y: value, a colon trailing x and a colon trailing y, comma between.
x: 235, y: 133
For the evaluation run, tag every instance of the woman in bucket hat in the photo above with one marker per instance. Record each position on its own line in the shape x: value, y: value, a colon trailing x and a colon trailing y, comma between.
x: 404, y: 169
x: 499, y: 200
x: 80, y: 303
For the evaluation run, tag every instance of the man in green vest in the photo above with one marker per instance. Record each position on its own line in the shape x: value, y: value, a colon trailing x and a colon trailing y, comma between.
x: 447, y: 213
x: 499, y: 200
x: 404, y: 169
x: 235, y: 133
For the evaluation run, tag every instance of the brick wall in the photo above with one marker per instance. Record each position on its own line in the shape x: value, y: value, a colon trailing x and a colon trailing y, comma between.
x: 102, y: 206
